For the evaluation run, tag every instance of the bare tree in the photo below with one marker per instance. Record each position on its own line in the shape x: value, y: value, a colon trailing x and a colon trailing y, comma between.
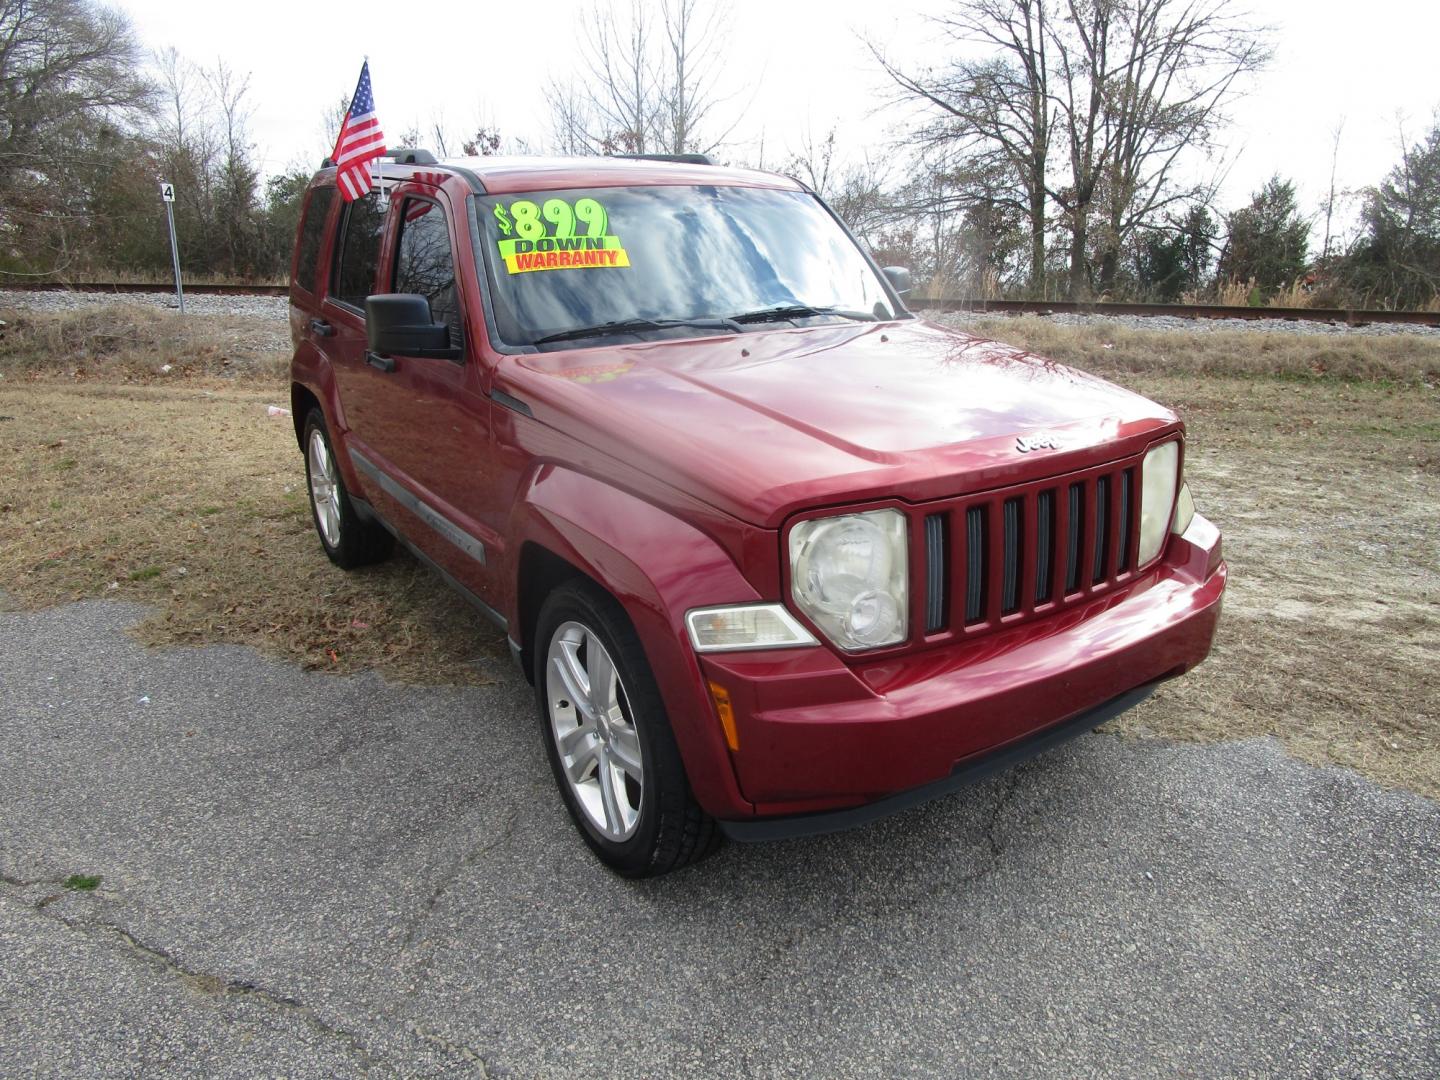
x: 72, y: 100
x: 1335, y: 134
x: 995, y: 111
x: 439, y: 136
x: 627, y: 99
x: 646, y: 90
x: 189, y: 148
x: 571, y: 120
x: 62, y: 62
x: 694, y: 34
x: 1086, y: 104
x: 1166, y: 70
x: 857, y: 191
x: 237, y: 208
x: 333, y: 119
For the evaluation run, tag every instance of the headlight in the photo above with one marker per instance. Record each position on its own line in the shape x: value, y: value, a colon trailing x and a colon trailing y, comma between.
x: 851, y: 575
x: 1159, y: 476
x: 753, y: 626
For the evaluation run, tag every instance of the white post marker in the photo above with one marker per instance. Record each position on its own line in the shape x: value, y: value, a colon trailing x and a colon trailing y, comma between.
x: 167, y: 193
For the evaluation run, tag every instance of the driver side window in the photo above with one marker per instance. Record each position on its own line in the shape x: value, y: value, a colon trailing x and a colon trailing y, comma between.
x: 425, y: 264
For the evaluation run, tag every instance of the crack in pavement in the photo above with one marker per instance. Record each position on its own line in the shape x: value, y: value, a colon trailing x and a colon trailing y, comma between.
x: 461, y: 1050
x: 1013, y: 779
x: 30, y: 883
x: 886, y: 907
x: 450, y: 877
x: 213, y: 986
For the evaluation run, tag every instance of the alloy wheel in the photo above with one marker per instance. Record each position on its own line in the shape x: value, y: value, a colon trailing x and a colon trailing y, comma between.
x: 594, y: 731
x: 324, y: 489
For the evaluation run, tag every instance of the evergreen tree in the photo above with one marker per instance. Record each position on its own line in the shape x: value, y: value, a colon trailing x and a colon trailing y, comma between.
x: 1268, y: 240
x: 1397, y: 262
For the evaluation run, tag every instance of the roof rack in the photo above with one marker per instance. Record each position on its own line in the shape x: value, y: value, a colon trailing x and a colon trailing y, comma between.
x: 406, y: 156
x: 678, y: 159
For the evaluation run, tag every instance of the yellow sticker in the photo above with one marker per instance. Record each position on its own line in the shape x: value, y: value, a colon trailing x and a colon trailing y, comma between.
x: 563, y: 253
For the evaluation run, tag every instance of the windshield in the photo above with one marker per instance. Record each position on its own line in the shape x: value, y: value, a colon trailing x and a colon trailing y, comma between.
x: 578, y: 266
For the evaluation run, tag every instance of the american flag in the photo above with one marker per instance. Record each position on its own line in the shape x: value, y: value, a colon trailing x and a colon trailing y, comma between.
x: 361, y: 141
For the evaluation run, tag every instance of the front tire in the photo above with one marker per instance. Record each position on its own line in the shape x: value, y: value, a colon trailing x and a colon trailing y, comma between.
x: 609, y: 741
x: 348, y: 539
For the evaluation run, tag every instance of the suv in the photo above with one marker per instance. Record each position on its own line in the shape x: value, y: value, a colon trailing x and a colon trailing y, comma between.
x: 778, y: 556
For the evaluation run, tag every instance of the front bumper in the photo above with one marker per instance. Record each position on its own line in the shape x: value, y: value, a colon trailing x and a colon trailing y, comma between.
x: 965, y: 773
x: 825, y: 745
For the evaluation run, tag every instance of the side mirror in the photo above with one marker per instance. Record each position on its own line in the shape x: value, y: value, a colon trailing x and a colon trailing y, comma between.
x: 899, y: 279
x: 400, y: 324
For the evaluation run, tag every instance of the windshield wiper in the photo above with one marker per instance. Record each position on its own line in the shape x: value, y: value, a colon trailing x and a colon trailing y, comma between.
x: 799, y: 311
x: 630, y: 326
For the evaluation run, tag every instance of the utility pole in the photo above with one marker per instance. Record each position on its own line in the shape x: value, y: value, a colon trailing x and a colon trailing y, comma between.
x: 167, y: 192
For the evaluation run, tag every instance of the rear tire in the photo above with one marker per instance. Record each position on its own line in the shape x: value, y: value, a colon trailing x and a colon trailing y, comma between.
x: 609, y: 741
x: 348, y: 539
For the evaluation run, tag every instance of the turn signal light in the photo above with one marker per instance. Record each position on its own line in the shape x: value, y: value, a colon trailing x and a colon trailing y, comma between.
x: 726, y: 713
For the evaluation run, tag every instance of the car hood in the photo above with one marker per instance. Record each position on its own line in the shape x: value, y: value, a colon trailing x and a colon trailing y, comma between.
x: 763, y: 424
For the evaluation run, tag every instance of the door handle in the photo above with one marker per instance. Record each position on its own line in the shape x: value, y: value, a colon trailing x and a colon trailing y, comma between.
x: 383, y: 363
x: 321, y: 327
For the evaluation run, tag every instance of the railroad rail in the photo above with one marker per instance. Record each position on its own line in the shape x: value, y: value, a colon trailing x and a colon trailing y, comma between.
x: 143, y: 287
x: 1348, y: 317
x: 1345, y: 316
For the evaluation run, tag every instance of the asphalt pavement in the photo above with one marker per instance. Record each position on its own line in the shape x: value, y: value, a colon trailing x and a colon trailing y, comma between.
x: 309, y: 875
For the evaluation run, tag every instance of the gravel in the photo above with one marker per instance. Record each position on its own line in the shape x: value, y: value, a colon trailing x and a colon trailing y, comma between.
x: 276, y: 307
x: 259, y: 307
x: 1170, y: 323
x: 311, y: 875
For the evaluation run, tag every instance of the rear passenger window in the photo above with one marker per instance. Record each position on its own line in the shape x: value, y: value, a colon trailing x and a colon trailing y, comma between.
x: 316, y: 213
x: 424, y: 263
x: 357, y: 251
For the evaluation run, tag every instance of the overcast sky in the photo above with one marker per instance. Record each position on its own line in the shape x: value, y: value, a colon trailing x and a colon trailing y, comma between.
x: 793, y: 66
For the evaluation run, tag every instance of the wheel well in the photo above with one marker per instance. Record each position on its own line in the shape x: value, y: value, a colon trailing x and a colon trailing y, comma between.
x: 301, y: 402
x: 541, y: 572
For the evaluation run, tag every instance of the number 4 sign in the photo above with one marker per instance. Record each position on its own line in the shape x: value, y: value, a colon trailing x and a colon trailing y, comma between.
x: 167, y: 193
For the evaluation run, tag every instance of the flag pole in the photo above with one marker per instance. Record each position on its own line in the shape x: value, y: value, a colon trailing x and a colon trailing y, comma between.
x: 376, y: 182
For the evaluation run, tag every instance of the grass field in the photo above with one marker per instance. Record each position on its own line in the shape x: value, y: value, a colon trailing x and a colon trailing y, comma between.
x: 1117, y: 350
x: 183, y: 493
x: 191, y: 497
x: 135, y: 343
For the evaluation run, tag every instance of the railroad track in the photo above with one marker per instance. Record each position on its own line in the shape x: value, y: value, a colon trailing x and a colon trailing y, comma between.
x: 1180, y: 311
x: 1347, y: 317
x: 144, y: 287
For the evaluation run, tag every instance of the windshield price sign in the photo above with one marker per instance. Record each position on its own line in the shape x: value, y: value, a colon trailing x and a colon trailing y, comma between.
x: 544, y: 237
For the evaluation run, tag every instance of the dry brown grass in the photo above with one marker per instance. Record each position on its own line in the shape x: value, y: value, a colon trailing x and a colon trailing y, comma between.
x: 136, y: 342
x: 1117, y: 351
x: 1329, y: 498
x: 1294, y: 296
x: 1234, y: 293
x: 189, y: 497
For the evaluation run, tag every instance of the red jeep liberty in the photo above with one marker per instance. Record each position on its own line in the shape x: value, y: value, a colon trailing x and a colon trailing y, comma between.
x: 778, y: 556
